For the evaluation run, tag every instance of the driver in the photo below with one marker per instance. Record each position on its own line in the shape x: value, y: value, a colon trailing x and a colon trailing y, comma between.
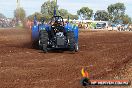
x: 42, y: 20
x: 55, y: 23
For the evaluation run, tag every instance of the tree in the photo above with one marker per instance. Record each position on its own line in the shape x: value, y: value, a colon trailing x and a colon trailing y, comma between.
x: 20, y: 14
x: 116, y: 11
x: 85, y: 12
x: 126, y: 19
x: 64, y: 13
x: 131, y: 21
x: 71, y: 16
x: 48, y: 8
x: 101, y: 15
x: 38, y: 15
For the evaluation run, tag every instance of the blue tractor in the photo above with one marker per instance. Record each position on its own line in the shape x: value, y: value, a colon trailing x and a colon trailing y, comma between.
x: 55, y: 35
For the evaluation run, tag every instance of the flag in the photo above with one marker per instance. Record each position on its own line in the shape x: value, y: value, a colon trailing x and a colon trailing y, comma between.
x: 54, y: 11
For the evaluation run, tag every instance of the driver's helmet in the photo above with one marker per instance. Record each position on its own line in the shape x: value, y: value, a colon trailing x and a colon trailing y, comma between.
x: 59, y: 20
x: 42, y: 20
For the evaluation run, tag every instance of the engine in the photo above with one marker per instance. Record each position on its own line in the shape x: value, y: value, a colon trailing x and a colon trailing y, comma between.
x: 58, y: 39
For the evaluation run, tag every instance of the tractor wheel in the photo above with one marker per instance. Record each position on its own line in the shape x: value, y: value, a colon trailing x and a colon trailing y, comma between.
x: 43, y: 40
x: 71, y: 40
x: 40, y: 45
x: 76, y: 47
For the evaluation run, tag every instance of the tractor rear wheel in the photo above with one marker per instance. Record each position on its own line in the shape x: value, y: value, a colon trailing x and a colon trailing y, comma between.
x: 43, y: 40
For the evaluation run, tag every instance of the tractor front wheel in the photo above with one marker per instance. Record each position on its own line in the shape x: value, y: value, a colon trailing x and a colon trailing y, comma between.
x: 71, y: 40
x: 76, y: 47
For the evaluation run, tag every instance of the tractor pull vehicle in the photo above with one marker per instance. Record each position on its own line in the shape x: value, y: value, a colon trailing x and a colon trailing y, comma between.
x: 55, y: 35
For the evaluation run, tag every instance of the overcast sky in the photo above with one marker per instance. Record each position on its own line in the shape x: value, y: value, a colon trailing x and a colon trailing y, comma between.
x: 7, y: 6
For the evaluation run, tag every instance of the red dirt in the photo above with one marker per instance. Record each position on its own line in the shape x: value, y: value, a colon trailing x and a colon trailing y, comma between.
x: 105, y: 55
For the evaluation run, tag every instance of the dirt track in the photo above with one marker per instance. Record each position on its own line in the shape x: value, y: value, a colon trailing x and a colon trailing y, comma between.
x: 106, y: 55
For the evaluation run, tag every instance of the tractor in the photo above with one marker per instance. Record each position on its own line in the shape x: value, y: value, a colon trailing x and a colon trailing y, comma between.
x: 55, y: 35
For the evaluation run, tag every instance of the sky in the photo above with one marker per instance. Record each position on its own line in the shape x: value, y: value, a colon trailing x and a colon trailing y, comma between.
x: 7, y: 7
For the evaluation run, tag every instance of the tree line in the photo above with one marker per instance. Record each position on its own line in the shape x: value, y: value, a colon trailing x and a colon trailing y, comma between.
x: 47, y: 11
x: 115, y: 13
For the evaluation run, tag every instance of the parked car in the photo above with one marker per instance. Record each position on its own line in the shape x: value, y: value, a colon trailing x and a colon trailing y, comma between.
x: 100, y: 25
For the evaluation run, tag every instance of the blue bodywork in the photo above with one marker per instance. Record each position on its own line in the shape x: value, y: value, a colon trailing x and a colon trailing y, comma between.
x: 72, y: 27
x: 67, y: 27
